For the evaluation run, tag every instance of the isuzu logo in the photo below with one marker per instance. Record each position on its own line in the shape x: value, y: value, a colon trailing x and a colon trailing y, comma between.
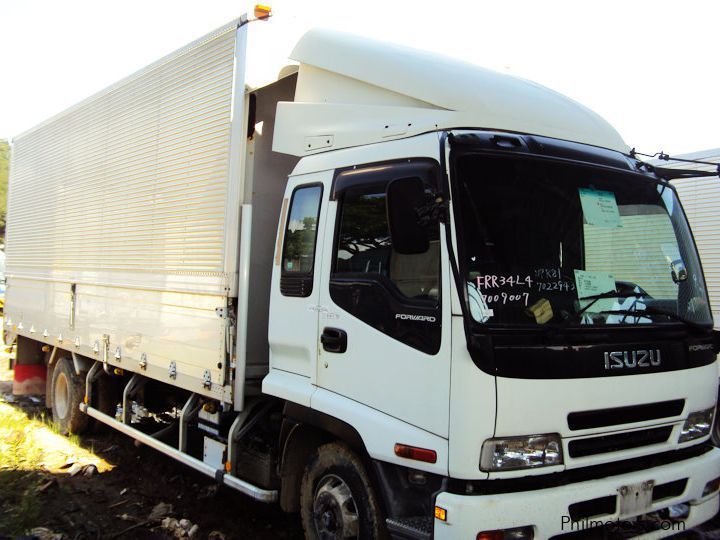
x: 632, y: 359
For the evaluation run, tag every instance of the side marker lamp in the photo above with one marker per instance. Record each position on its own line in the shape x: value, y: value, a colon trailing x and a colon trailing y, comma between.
x: 413, y: 452
x: 440, y: 513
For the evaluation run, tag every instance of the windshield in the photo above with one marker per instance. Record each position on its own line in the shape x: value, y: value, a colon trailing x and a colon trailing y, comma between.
x: 546, y: 243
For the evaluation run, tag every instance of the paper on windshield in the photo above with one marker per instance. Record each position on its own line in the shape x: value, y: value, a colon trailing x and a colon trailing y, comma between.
x: 599, y: 208
x: 591, y: 284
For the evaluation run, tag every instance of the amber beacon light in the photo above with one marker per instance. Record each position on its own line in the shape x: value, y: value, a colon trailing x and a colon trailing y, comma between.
x: 262, y: 11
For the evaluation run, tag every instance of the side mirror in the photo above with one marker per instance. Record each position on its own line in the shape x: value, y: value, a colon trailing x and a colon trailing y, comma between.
x: 678, y: 271
x: 404, y: 197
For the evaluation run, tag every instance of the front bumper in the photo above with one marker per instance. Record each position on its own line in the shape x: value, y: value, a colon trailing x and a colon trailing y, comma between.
x: 547, y: 510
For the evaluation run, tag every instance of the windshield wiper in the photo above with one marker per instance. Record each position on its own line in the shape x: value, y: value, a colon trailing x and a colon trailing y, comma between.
x: 610, y: 294
x: 652, y: 310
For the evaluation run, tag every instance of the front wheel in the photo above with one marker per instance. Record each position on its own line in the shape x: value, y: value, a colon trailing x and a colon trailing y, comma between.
x: 337, y: 500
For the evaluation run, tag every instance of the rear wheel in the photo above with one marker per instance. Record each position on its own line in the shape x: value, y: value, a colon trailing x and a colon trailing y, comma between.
x: 68, y: 390
x: 337, y: 500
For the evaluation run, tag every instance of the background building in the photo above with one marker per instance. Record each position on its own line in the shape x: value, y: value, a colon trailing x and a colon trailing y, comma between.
x: 701, y: 199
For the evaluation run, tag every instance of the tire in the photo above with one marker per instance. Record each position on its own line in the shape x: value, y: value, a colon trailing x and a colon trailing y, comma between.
x: 337, y: 500
x: 68, y: 391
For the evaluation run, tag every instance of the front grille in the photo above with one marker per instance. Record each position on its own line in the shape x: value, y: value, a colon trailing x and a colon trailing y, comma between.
x: 602, y: 506
x: 671, y: 489
x: 616, y: 442
x: 624, y: 415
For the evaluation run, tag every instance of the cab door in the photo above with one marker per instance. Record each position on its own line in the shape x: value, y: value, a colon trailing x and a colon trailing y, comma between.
x: 295, y: 290
x: 383, y: 321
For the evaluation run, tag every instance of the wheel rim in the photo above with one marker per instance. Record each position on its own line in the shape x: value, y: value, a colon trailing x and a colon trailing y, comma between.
x: 61, y: 395
x: 334, y: 509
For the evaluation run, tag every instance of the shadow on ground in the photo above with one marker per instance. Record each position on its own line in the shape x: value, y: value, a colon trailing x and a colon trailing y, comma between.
x: 104, y: 486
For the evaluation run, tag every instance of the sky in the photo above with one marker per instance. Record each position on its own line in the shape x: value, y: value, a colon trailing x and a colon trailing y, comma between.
x: 649, y: 67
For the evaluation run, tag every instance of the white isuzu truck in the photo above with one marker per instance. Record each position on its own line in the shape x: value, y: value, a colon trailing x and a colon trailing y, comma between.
x: 390, y: 290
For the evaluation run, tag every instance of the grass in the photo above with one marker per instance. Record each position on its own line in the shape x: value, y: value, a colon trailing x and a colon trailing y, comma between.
x: 20, y: 461
x: 32, y: 452
x: 54, y: 426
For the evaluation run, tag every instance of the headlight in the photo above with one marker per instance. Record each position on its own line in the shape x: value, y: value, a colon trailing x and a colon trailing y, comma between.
x: 512, y: 453
x: 698, y: 424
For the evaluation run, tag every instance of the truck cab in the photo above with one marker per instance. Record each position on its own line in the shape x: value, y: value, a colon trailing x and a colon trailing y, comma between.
x: 512, y: 320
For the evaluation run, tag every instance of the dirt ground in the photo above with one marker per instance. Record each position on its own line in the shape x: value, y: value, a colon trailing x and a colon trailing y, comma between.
x: 102, y: 485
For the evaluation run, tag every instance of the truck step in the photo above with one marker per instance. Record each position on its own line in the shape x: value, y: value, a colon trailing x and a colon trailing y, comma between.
x: 415, y: 528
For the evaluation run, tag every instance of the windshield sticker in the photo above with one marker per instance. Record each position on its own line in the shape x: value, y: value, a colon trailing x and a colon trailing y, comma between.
x: 591, y: 284
x: 600, y: 208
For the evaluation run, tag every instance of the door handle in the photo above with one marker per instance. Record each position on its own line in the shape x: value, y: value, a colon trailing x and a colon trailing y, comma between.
x: 334, y: 340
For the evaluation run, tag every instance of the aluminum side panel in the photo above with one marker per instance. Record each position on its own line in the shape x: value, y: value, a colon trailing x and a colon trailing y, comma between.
x: 158, y: 327
x: 133, y: 180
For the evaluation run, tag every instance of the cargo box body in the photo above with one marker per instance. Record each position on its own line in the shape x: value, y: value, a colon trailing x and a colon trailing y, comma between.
x: 124, y: 213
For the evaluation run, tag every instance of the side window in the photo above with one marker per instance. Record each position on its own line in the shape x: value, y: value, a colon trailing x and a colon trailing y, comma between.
x: 298, y: 259
x: 398, y: 294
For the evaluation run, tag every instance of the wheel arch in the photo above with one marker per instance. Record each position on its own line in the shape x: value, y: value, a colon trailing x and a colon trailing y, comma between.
x: 303, y: 431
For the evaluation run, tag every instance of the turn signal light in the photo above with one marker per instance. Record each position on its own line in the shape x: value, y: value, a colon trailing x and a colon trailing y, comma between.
x: 440, y: 513
x: 418, y: 454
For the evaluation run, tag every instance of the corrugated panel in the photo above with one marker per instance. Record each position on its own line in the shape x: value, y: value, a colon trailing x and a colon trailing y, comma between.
x: 133, y: 179
x: 633, y: 252
x: 700, y: 198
